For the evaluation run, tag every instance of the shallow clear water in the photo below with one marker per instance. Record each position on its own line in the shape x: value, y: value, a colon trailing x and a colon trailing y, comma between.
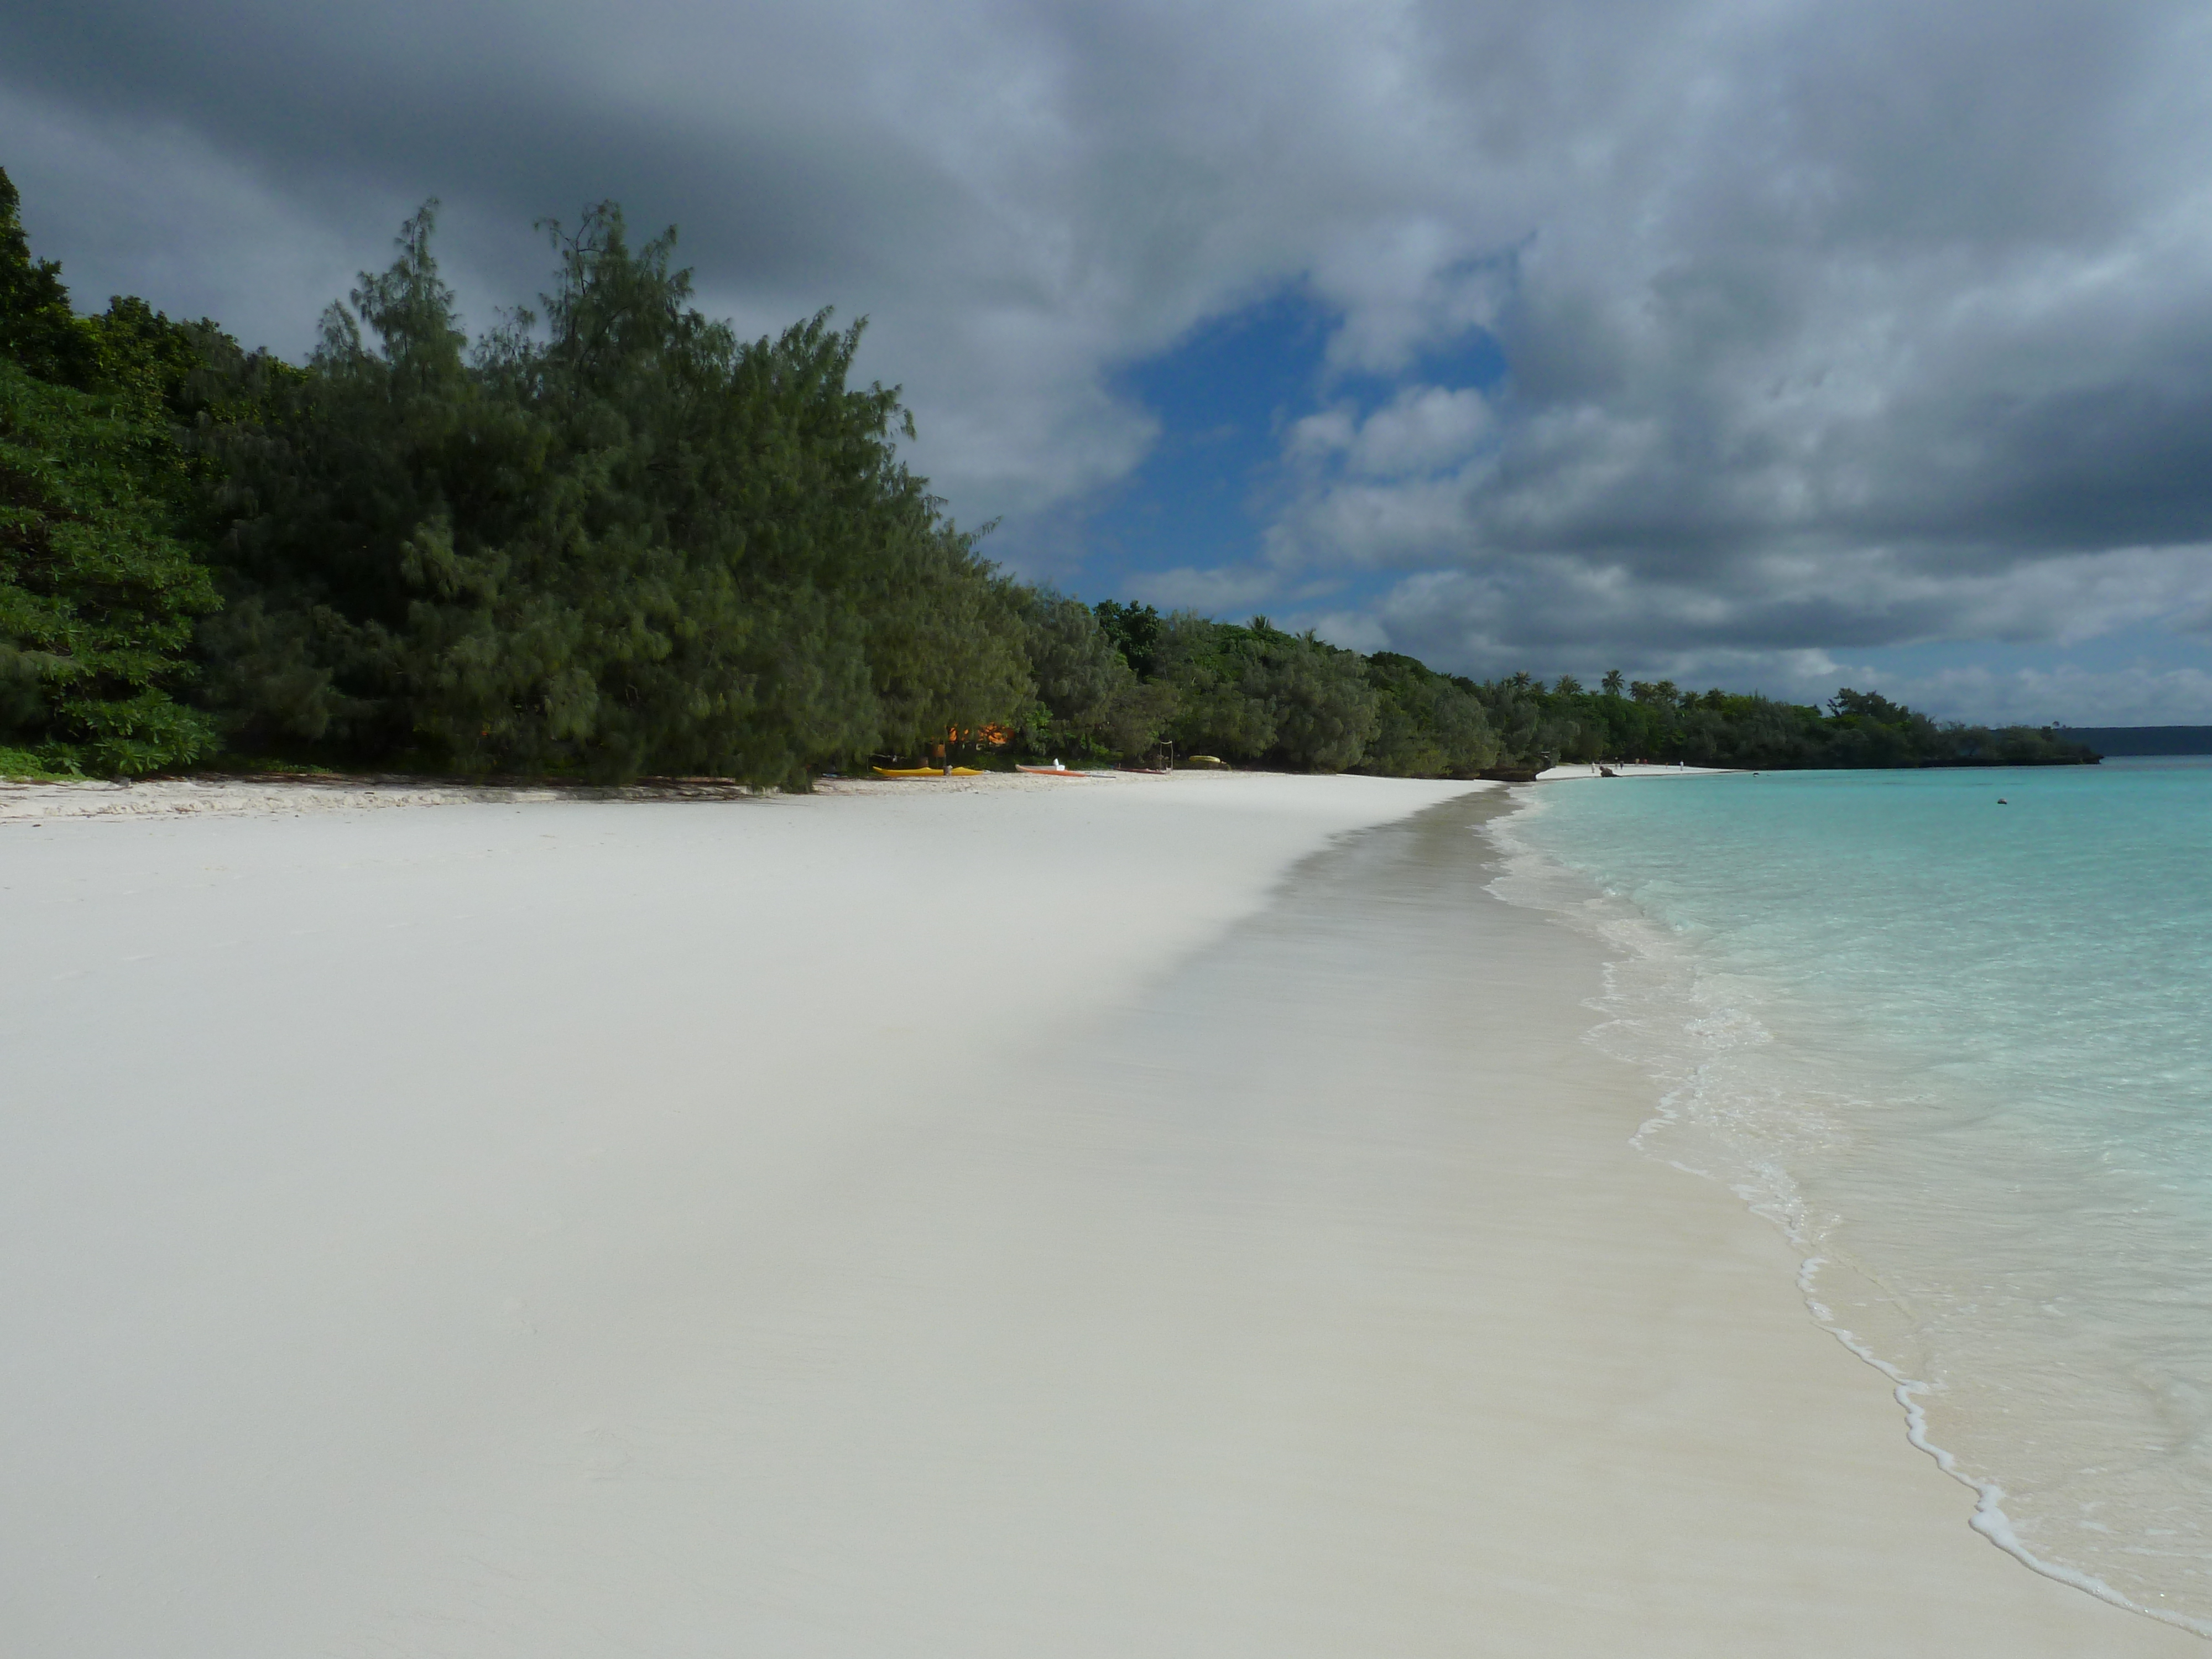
x: 1963, y: 1052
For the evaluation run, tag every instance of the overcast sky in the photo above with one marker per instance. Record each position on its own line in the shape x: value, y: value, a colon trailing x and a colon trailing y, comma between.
x: 1767, y: 344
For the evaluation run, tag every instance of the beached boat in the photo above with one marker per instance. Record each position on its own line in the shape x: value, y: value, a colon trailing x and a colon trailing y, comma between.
x: 1055, y: 770
x: 929, y: 771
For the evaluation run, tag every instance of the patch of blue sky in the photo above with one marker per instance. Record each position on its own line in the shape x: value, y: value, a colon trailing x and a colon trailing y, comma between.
x: 1226, y: 397
x: 1223, y: 396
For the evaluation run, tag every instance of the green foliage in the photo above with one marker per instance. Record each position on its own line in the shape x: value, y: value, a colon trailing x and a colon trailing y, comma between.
x: 1317, y: 699
x: 638, y: 545
x: 1135, y: 630
x: 97, y: 596
x: 29, y: 765
x: 1204, y: 663
x: 144, y: 365
x: 1254, y: 693
x: 40, y: 331
x: 98, y: 583
x: 1429, y: 724
x: 1657, y: 720
x: 630, y: 542
x: 1090, y: 701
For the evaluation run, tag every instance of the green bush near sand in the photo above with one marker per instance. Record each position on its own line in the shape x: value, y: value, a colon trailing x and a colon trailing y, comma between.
x: 97, y: 595
x: 613, y: 538
x: 639, y: 544
x: 99, y: 586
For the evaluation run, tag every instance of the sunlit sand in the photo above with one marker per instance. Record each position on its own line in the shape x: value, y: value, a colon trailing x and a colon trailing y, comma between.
x: 1113, y: 1217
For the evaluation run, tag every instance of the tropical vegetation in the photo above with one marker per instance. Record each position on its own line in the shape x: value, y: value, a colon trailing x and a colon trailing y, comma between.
x: 611, y: 538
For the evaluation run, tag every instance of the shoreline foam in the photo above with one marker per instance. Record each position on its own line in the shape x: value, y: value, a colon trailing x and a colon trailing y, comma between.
x: 1681, y: 1019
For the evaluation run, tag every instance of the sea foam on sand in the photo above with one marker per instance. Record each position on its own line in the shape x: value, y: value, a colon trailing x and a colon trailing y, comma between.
x: 933, y: 1221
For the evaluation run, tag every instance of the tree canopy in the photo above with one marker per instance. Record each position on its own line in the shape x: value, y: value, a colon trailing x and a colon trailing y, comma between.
x: 635, y: 544
x: 98, y: 583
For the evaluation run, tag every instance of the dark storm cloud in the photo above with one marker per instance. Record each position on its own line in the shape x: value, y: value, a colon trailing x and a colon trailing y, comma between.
x: 476, y: 103
x: 1825, y: 327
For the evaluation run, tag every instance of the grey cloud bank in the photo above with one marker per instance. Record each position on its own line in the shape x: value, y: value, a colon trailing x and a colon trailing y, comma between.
x: 1825, y: 329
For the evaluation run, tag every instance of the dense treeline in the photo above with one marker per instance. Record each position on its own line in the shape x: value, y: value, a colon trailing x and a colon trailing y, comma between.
x: 1255, y: 694
x: 640, y: 544
x: 1661, y: 722
x: 613, y: 538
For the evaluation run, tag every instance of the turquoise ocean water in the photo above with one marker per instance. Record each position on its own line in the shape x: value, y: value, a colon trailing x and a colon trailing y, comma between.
x: 1962, y: 1053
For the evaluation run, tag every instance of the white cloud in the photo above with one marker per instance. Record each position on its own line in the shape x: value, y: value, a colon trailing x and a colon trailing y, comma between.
x: 1413, y: 285
x: 1355, y: 630
x: 1801, y: 618
x: 2138, y: 695
x: 1226, y: 592
x: 1824, y: 326
x: 1422, y: 430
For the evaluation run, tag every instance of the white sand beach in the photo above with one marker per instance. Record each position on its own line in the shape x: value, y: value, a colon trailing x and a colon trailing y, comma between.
x: 1162, y: 1217
x: 1583, y: 769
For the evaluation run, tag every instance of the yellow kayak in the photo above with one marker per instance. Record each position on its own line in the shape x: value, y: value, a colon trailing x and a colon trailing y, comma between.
x: 929, y: 772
